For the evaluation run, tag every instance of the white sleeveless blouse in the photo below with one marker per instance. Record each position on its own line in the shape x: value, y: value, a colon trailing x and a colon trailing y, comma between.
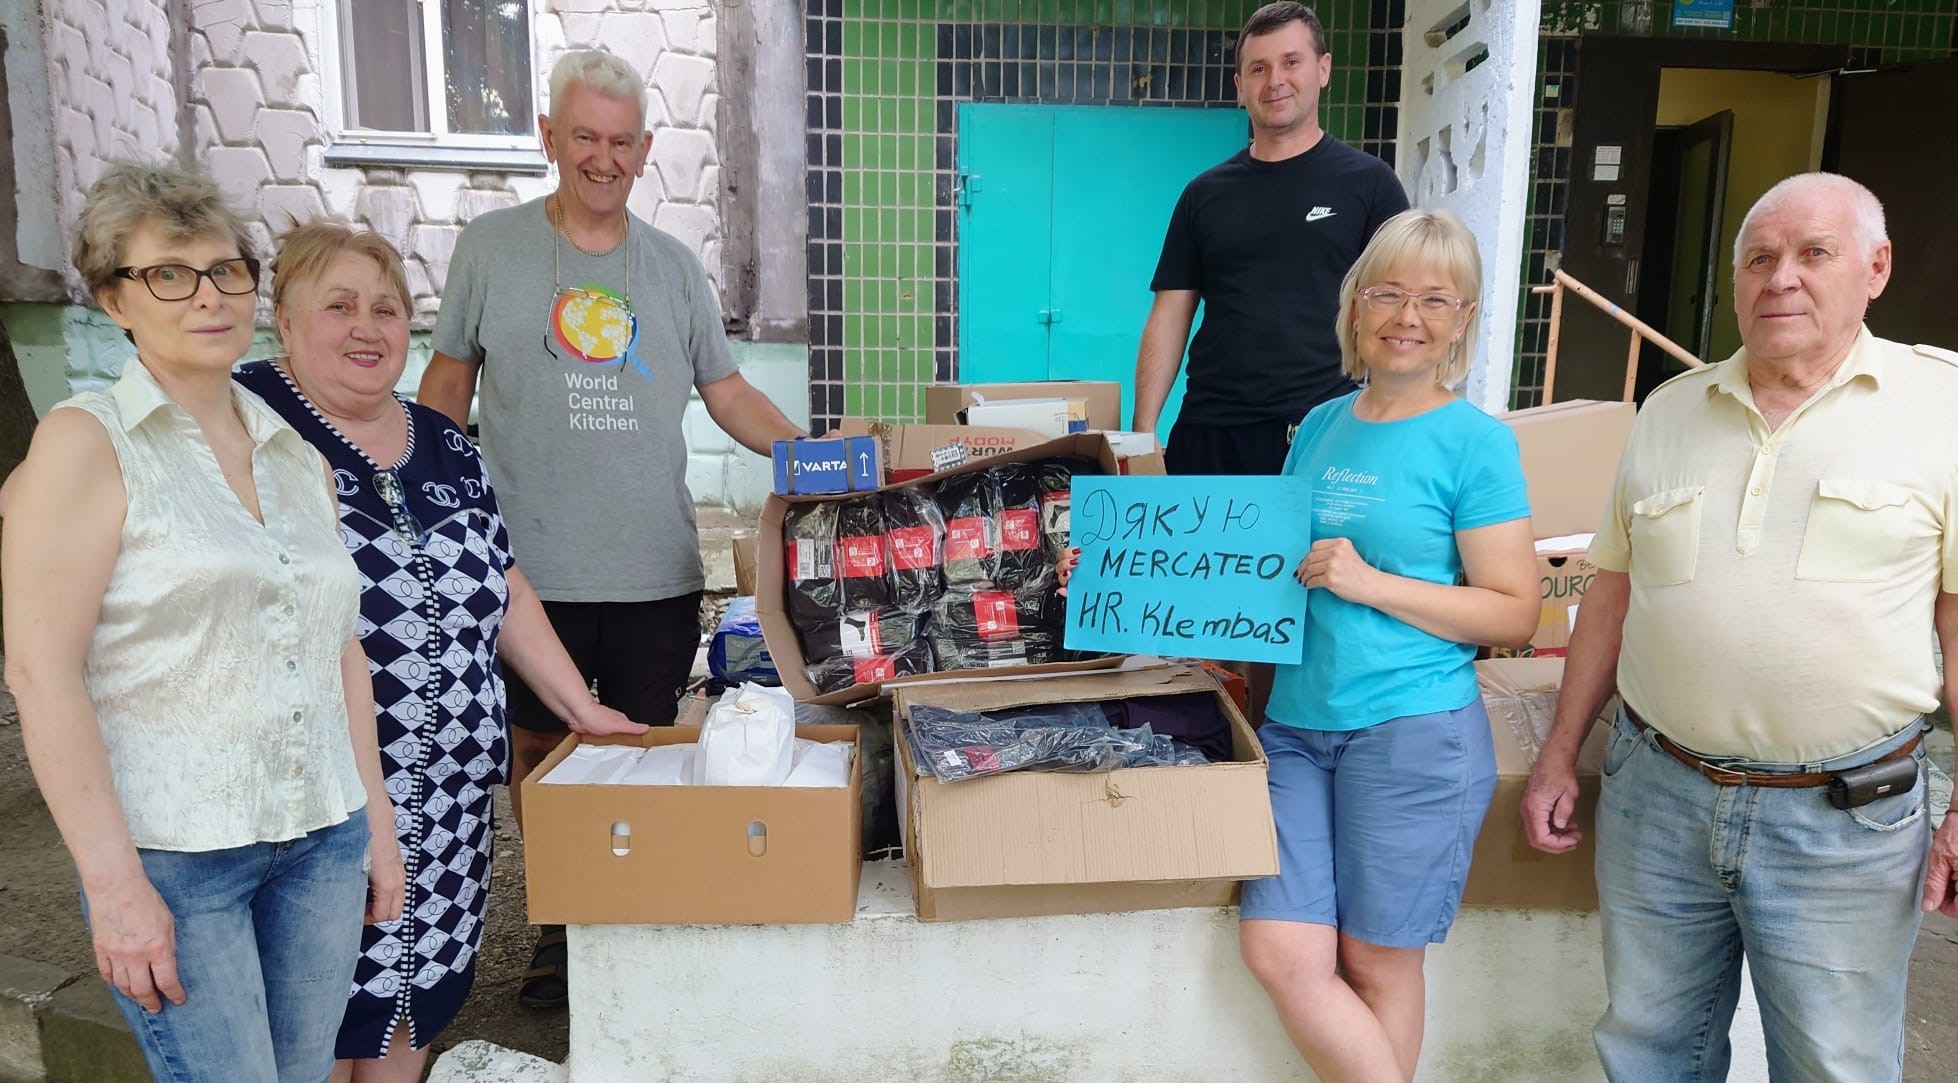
x: 215, y: 665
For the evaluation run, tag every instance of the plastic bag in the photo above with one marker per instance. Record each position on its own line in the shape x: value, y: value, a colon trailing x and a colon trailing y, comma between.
x: 980, y: 629
x: 748, y: 739
x: 970, y: 505
x: 915, y: 537
x: 738, y: 654
x: 955, y: 745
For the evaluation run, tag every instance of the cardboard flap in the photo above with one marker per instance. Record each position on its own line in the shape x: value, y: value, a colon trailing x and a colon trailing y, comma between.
x: 981, y: 693
x: 1137, y: 824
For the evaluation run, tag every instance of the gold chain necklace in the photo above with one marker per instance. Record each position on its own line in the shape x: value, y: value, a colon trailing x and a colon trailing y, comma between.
x: 557, y: 265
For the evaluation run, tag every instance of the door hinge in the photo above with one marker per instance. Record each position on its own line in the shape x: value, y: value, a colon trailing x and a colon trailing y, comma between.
x: 967, y: 184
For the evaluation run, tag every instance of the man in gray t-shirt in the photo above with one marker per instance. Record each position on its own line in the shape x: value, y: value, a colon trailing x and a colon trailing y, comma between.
x: 586, y: 327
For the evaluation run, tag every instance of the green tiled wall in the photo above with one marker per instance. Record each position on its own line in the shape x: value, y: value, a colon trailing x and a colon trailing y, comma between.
x: 895, y: 286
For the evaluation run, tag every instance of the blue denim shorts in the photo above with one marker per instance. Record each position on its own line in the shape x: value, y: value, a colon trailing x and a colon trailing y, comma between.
x: 1375, y: 826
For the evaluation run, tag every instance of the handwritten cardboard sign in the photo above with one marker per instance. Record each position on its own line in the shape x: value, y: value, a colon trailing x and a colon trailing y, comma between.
x: 1193, y: 566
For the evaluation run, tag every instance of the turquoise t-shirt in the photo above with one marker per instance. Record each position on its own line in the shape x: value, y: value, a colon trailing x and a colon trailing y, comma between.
x: 1400, y: 490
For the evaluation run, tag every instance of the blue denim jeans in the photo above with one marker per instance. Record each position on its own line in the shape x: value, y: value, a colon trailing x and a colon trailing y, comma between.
x: 1822, y: 901
x: 266, y: 939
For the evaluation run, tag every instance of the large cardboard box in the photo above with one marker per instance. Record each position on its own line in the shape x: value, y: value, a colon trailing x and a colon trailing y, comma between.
x: 908, y: 448
x: 629, y: 855
x: 1028, y: 843
x: 771, y: 604
x: 1565, y: 574
x: 1570, y: 459
x: 1103, y: 398
x: 1521, y: 696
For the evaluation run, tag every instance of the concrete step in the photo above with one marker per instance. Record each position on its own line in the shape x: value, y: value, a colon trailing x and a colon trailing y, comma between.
x: 57, y: 1027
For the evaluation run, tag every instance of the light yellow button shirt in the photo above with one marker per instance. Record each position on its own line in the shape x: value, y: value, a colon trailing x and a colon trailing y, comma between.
x: 1782, y: 583
x: 215, y: 665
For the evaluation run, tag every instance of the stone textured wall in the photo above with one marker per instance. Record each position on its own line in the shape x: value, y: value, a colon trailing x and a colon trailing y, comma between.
x: 110, y: 79
x: 260, y: 106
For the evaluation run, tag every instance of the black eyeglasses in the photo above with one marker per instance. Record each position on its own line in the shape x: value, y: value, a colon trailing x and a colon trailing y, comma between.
x: 179, y: 281
x: 389, y: 487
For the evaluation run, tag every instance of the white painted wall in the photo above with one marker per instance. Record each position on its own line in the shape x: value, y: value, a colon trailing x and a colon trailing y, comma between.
x: 1158, y: 997
x: 1464, y: 145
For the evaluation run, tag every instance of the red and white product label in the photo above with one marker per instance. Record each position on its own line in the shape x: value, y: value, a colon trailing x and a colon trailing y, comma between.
x: 965, y: 539
x: 873, y: 669
x: 1019, y: 529
x: 913, y: 548
x: 863, y: 556
x: 996, y: 614
x: 860, y: 635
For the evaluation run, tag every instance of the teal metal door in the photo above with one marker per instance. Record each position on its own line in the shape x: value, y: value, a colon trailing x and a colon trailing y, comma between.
x: 1061, y: 218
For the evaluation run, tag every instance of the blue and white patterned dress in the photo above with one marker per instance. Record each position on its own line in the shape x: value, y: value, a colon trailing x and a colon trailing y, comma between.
x: 432, y: 552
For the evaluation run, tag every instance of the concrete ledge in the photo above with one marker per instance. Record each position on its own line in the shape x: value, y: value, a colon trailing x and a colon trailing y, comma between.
x: 1102, y: 998
x: 57, y: 1027
x: 25, y: 989
x: 84, y: 1039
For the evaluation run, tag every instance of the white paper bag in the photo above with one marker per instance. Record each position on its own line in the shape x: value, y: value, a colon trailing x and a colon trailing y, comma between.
x: 662, y: 765
x: 594, y: 765
x: 820, y: 764
x: 747, y: 740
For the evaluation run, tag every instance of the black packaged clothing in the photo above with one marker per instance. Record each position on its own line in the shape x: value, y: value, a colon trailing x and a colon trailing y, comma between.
x: 915, y: 542
x: 1266, y: 244
x: 955, y: 745
x: 1192, y: 718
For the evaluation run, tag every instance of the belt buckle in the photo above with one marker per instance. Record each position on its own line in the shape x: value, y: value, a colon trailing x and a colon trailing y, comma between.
x: 1723, y: 776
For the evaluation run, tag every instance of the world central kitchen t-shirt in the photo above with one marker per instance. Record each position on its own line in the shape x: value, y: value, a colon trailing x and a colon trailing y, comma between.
x: 1399, y: 490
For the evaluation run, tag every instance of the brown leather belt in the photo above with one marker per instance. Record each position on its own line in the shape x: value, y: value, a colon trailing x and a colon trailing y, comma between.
x: 1727, y: 776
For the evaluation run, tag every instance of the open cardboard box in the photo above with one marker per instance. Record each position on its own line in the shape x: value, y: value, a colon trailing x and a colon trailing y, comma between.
x: 785, y: 646
x: 1521, y: 695
x: 1028, y: 843
x: 1103, y: 398
x: 741, y: 855
x: 1570, y: 456
x: 1564, y: 574
x: 908, y: 448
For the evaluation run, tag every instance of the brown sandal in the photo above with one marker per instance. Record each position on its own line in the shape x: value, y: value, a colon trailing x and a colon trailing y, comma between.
x: 547, y: 984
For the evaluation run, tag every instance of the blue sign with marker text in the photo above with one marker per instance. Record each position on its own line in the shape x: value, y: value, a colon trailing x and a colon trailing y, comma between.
x: 1193, y: 566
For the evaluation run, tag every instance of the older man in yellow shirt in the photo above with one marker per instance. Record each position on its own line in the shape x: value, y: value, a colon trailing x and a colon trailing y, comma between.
x: 1781, y: 547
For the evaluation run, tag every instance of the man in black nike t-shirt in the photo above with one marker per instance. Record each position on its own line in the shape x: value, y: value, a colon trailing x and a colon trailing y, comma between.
x: 1262, y: 240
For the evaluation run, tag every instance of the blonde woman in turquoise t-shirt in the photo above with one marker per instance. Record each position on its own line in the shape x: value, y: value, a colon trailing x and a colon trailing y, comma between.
x: 1381, y: 759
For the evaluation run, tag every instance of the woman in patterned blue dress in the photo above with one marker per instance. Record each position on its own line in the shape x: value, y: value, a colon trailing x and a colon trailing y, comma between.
x: 442, y: 605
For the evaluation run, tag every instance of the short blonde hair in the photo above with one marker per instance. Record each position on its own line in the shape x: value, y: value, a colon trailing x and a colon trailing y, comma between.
x: 599, y: 72
x: 183, y: 202
x: 305, y: 251
x: 1415, y: 238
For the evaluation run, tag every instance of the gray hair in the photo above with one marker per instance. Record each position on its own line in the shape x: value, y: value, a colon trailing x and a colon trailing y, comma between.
x: 599, y: 72
x: 1867, y: 211
x: 184, y: 202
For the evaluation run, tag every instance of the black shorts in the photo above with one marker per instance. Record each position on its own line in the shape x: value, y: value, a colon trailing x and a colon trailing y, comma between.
x: 1255, y: 447
x: 638, y: 655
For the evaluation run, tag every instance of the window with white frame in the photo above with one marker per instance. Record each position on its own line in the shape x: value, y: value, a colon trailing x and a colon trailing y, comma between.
x: 456, y: 72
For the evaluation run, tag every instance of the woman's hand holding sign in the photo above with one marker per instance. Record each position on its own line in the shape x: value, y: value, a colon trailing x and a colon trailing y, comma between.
x: 1334, y: 564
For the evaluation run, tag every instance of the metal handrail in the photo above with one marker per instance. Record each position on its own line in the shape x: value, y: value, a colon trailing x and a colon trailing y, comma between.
x: 1639, y: 328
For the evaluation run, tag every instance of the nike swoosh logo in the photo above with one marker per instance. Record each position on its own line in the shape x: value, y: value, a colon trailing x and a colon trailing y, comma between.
x: 1317, y: 213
